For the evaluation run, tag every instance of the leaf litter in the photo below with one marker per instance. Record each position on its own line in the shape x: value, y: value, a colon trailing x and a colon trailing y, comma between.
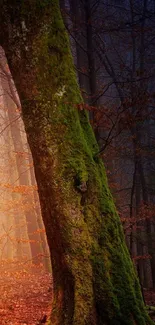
x: 25, y: 294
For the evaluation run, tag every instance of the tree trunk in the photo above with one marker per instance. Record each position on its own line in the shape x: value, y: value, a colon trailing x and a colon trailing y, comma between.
x: 94, y: 279
x: 44, y: 245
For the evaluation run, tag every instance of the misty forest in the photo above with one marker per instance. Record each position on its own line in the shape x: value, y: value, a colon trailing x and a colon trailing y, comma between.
x: 77, y: 162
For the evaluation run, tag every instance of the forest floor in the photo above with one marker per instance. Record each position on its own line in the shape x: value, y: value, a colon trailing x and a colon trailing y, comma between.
x: 25, y: 294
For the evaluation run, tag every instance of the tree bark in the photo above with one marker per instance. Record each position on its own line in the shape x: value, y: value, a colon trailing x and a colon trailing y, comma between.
x: 44, y: 246
x: 94, y: 279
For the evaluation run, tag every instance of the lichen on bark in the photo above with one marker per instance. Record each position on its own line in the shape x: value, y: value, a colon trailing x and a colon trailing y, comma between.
x: 94, y: 280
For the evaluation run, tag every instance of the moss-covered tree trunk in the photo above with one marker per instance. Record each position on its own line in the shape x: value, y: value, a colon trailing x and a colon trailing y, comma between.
x: 94, y: 280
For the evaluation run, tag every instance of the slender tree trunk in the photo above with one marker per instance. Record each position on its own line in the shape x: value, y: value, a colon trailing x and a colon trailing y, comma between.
x: 91, y: 65
x: 23, y: 175
x: 78, y: 19
x: 85, y: 55
x: 20, y: 229
x: 94, y: 279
